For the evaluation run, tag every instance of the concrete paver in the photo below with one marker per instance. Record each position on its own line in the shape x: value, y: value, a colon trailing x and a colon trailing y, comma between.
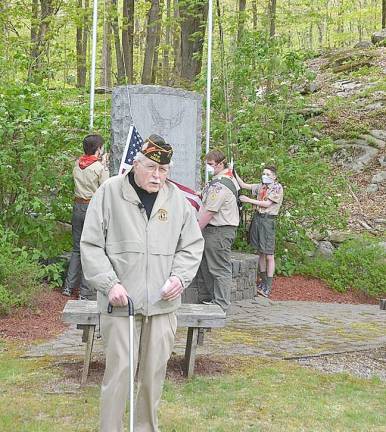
x: 263, y: 327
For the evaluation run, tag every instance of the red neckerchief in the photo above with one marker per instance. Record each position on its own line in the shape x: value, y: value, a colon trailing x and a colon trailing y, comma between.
x: 263, y: 192
x: 87, y: 160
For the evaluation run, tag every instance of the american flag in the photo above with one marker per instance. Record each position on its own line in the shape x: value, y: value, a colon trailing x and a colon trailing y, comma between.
x: 134, y: 143
x: 190, y: 195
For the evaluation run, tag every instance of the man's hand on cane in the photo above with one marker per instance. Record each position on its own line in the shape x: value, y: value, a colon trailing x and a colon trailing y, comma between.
x: 118, y: 295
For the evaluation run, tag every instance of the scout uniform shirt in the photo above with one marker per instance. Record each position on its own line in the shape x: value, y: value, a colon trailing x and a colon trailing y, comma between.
x: 272, y: 192
x: 88, y: 180
x: 219, y: 199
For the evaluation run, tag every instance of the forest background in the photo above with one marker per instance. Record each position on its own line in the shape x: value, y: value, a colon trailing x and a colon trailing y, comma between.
x: 260, y: 54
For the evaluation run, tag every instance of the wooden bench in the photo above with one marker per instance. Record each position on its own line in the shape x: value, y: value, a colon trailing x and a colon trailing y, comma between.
x: 382, y: 304
x: 196, y: 317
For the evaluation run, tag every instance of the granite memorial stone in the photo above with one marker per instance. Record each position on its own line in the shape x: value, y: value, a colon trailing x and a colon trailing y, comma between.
x: 172, y: 113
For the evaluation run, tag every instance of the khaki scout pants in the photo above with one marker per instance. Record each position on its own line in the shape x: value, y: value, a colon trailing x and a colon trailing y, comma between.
x: 153, y: 344
x: 216, y: 266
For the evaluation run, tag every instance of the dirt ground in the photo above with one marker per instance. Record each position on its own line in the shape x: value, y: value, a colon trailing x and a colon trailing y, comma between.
x: 44, y: 320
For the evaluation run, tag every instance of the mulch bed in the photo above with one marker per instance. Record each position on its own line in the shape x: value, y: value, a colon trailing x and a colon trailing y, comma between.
x: 43, y: 321
x: 301, y: 288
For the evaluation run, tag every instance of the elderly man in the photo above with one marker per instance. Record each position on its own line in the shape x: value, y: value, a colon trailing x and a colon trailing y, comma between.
x: 140, y: 239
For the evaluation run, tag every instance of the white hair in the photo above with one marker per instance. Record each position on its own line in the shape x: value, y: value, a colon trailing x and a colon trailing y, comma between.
x: 141, y: 157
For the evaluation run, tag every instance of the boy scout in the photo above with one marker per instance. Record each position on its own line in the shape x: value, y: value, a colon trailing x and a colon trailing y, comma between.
x: 89, y: 173
x: 139, y: 232
x: 262, y: 232
x: 218, y: 219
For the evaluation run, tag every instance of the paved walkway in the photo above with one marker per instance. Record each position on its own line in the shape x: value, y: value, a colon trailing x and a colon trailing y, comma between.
x: 277, y: 329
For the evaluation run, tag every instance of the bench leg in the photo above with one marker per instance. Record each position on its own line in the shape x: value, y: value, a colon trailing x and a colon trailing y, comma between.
x: 200, y: 337
x: 88, y: 331
x: 190, y: 351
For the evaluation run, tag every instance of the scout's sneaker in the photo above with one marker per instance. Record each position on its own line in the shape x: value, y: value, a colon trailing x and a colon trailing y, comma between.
x: 260, y: 288
x: 66, y: 292
x: 266, y: 292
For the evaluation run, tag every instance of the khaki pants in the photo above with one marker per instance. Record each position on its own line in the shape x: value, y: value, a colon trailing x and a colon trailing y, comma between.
x: 216, y: 266
x: 153, y: 344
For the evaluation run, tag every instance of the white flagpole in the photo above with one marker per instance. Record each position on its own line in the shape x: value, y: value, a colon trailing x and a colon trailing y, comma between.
x: 93, y: 61
x: 208, y: 81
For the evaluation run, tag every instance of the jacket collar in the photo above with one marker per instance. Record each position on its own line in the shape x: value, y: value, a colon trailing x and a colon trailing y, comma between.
x: 130, y: 195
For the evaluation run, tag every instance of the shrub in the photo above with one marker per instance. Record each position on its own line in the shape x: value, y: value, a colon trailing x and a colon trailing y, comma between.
x: 20, y: 274
x: 358, y: 264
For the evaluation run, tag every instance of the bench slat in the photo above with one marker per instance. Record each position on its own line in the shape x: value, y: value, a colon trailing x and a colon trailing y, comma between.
x: 188, y: 315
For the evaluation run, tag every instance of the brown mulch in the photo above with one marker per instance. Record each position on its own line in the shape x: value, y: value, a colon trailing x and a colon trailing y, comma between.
x: 44, y: 320
x: 301, y: 288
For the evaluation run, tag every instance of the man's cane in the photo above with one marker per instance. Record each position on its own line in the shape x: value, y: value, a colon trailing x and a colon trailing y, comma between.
x: 130, y: 309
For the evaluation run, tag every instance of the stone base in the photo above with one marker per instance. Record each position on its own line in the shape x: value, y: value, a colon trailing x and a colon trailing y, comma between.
x: 244, y: 274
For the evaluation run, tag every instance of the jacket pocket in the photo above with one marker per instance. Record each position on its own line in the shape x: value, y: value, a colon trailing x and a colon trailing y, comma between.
x: 124, y: 246
x: 128, y: 261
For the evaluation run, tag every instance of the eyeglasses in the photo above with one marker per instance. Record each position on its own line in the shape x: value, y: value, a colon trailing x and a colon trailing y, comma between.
x: 162, y: 170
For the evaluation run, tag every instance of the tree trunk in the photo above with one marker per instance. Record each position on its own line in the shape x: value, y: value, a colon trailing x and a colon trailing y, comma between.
x: 272, y: 17
x: 157, y: 42
x: 128, y: 38
x: 153, y: 17
x: 383, y: 14
x: 176, y: 41
x: 117, y: 43
x: 241, y: 20
x: 34, y: 30
x: 254, y: 14
x: 82, y: 32
x: 166, y: 50
x: 193, y: 15
x: 105, y: 77
x: 39, y: 37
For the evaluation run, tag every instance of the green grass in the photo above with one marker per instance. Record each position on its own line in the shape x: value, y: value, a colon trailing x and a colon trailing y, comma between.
x: 260, y: 395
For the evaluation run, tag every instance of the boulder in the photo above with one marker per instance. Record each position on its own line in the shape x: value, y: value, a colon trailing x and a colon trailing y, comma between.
x: 372, y: 188
x: 363, y: 44
x: 353, y: 155
x: 340, y: 236
x: 379, y: 178
x: 373, y: 141
x: 382, y: 161
x: 378, y: 134
x: 325, y: 248
x: 379, y: 38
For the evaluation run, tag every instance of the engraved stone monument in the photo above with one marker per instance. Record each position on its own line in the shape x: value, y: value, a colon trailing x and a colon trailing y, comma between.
x: 172, y: 113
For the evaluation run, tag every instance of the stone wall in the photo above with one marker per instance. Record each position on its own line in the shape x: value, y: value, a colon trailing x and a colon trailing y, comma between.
x: 244, y: 272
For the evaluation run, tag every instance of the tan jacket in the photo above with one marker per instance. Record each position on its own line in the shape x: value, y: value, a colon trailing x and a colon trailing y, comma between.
x: 88, y: 180
x: 119, y: 244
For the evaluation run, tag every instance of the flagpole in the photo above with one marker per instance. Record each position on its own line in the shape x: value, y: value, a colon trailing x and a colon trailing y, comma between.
x: 93, y: 62
x: 208, y: 82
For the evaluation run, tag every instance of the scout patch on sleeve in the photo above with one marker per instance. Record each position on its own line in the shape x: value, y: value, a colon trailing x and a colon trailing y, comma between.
x: 214, y: 192
x: 275, y: 194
